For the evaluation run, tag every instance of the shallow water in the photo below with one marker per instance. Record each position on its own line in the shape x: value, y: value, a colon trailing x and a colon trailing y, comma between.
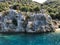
x: 30, y: 39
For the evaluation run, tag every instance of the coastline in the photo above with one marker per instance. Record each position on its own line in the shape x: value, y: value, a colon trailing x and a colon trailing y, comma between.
x: 26, y: 32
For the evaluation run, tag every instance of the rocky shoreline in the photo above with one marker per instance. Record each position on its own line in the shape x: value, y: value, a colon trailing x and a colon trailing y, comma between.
x: 26, y: 32
x: 15, y: 22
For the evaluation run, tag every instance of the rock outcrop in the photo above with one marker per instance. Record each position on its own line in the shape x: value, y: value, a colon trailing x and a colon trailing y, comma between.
x: 16, y: 22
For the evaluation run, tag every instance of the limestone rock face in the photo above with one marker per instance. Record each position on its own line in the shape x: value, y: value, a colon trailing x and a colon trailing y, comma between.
x: 16, y: 22
x: 40, y: 23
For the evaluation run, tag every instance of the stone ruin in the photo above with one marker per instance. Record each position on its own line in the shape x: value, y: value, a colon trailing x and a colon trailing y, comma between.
x: 16, y: 22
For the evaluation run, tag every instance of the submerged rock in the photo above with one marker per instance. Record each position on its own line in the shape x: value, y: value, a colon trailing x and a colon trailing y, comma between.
x: 16, y: 22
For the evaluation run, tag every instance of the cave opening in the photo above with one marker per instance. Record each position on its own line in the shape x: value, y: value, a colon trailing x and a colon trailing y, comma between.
x: 59, y: 26
x: 14, y: 21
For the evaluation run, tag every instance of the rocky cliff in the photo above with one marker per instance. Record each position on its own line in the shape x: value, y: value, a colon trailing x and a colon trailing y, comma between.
x: 12, y: 21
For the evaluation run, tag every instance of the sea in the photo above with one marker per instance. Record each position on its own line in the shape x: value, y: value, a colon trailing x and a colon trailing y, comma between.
x: 52, y: 38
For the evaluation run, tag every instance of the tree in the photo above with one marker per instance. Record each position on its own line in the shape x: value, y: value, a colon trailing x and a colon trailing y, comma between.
x: 25, y: 9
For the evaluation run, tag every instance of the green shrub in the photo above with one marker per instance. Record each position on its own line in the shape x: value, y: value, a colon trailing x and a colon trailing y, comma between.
x: 36, y: 9
x: 3, y: 6
x: 25, y: 9
x: 30, y: 10
x: 16, y: 7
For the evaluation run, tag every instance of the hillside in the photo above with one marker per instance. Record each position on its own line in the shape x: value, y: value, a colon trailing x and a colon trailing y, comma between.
x: 53, y: 0
x: 23, y: 5
x: 52, y: 8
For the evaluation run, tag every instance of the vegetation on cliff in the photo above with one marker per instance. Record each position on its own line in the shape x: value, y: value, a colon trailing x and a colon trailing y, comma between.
x: 4, y: 6
x: 53, y: 8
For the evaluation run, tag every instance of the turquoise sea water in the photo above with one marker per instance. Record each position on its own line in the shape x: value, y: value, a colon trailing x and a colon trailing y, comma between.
x: 30, y: 39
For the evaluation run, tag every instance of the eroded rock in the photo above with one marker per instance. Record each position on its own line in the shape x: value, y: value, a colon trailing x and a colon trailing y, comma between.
x: 16, y: 22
